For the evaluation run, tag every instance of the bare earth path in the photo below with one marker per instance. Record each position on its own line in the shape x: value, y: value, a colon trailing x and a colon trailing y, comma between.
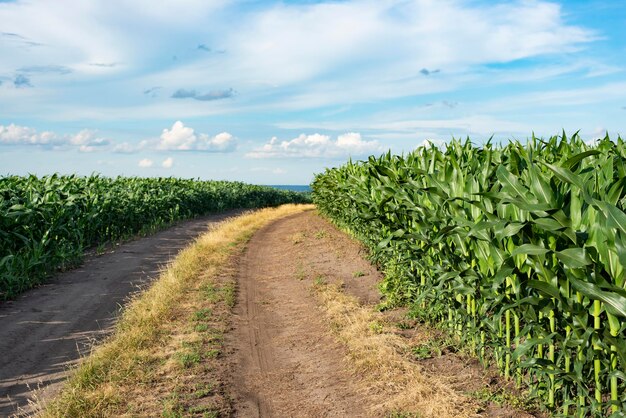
x: 286, y: 364
x: 47, y: 329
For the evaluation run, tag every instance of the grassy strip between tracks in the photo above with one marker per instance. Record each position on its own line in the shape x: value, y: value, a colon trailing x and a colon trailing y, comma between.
x: 169, y: 338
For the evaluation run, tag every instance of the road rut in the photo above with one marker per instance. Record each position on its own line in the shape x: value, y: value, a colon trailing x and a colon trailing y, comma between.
x: 286, y: 362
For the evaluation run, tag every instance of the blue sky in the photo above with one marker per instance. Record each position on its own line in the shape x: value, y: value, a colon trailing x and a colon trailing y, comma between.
x: 272, y: 92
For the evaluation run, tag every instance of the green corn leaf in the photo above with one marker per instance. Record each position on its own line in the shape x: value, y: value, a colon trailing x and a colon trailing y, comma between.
x: 615, y: 217
x: 509, y: 230
x: 545, y: 288
x: 548, y: 224
x: 539, y: 209
x: 615, y: 192
x: 526, y: 345
x: 578, y: 158
x: 530, y: 249
x: 511, y: 183
x: 574, y: 257
x: 614, y: 302
x: 567, y: 176
x: 540, y: 187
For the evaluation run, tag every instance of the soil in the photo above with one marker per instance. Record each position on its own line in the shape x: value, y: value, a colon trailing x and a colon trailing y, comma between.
x: 286, y: 364
x: 46, y: 330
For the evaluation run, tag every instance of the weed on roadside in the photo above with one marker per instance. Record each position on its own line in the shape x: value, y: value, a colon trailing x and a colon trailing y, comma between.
x: 213, y: 353
x: 376, y: 327
x: 501, y: 397
x: 202, y: 314
x: 320, y: 280
x: 427, y: 350
x: 188, y: 359
x: 203, y: 390
x: 228, y: 291
x: 201, y: 327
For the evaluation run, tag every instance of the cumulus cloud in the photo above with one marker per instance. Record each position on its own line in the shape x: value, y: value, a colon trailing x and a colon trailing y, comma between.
x: 179, y: 137
x: 85, y: 140
x: 183, y: 138
x: 21, y: 81
x: 145, y: 163
x: 167, y: 163
x: 317, y: 146
x: 205, y: 97
x: 23, y: 135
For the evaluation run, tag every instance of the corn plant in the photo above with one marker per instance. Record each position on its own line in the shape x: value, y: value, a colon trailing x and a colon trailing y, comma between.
x: 518, y: 249
x: 46, y: 223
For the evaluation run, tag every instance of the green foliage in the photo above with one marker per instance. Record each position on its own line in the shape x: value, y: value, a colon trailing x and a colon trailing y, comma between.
x: 520, y: 250
x: 46, y: 223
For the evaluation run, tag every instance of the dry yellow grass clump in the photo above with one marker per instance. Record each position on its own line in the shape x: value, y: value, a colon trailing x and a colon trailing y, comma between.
x: 124, y: 374
x: 378, y: 356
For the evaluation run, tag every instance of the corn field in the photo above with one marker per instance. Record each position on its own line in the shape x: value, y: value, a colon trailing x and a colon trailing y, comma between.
x: 46, y: 223
x: 519, y: 249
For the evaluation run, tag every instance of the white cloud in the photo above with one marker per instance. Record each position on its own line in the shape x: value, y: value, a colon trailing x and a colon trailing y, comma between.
x: 23, y: 135
x: 276, y: 54
x: 125, y: 148
x: 182, y: 138
x: 167, y: 163
x: 276, y: 44
x: 85, y: 140
x: 179, y: 137
x: 317, y: 146
x: 145, y: 163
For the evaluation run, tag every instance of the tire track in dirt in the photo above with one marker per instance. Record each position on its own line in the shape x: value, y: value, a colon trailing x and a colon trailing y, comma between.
x: 46, y: 330
x: 285, y: 362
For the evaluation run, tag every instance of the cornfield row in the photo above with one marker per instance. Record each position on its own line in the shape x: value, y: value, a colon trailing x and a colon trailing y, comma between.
x: 520, y: 250
x: 46, y: 223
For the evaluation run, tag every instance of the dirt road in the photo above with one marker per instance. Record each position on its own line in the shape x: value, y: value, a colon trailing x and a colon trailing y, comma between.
x: 47, y: 329
x: 286, y: 362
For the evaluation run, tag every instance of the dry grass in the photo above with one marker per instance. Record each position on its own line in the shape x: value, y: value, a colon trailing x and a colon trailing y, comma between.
x: 167, y: 336
x: 378, y: 355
